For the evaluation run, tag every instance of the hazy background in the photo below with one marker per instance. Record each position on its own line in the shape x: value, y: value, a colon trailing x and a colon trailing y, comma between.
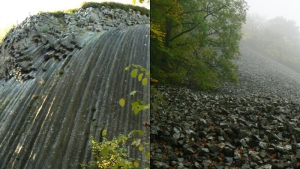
x: 289, y: 9
x: 272, y: 30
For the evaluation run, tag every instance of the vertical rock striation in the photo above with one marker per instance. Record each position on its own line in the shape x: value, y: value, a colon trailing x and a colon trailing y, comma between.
x: 61, y: 84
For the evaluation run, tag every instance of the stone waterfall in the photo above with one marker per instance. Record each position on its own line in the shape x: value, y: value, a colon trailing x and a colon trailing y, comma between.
x: 61, y: 80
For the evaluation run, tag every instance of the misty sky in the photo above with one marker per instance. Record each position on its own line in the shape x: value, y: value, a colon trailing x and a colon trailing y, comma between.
x: 289, y: 9
x: 13, y: 11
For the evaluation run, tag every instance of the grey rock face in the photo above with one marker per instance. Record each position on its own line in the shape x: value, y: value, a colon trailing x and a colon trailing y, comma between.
x: 72, y: 79
x: 59, y: 37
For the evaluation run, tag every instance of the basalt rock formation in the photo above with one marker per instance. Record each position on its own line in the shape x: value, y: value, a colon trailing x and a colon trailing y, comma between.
x: 61, y: 80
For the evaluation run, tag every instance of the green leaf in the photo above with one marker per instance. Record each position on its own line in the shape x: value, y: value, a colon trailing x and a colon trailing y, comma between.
x: 122, y: 102
x: 116, y: 166
x: 144, y: 107
x: 134, y: 105
x: 148, y: 73
x: 145, y: 81
x: 136, y: 164
x: 148, y: 155
x: 133, y: 92
x: 143, y: 69
x: 133, y: 142
x: 104, y: 132
x: 141, y: 133
x: 134, y: 73
x: 138, y: 142
x: 141, y: 102
x: 127, y: 68
x: 140, y: 76
x: 104, y: 152
x: 136, y: 111
x: 132, y: 133
x: 141, y: 147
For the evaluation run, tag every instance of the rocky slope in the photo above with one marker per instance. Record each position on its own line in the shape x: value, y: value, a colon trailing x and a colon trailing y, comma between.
x: 254, y: 124
x: 261, y: 75
x: 62, y: 77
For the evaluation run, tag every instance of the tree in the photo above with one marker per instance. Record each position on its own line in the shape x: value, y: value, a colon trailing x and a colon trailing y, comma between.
x: 194, y: 42
x: 252, y: 29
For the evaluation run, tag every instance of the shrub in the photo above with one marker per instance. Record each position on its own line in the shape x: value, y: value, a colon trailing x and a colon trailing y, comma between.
x: 113, y: 153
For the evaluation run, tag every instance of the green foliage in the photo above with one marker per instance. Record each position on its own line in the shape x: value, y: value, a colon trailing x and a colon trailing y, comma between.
x: 194, y: 42
x: 114, y: 5
x: 143, y: 75
x: 113, y: 153
x: 109, y: 154
x: 59, y: 14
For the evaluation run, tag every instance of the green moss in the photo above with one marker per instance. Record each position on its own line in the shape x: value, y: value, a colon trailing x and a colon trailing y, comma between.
x: 113, y: 5
x: 57, y: 14
x: 60, y: 14
x: 45, y: 28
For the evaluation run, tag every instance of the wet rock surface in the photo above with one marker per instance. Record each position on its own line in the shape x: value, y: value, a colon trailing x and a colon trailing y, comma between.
x: 198, y: 130
x: 254, y: 124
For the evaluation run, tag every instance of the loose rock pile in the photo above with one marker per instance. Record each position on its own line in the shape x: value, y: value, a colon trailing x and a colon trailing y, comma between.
x: 254, y: 124
x: 261, y: 75
x: 57, y: 37
x: 198, y: 130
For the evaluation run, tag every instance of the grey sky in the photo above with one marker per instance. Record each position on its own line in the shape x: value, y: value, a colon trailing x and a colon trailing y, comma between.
x: 289, y: 9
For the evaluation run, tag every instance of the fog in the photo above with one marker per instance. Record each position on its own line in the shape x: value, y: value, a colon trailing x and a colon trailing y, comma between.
x: 272, y: 29
x: 289, y: 9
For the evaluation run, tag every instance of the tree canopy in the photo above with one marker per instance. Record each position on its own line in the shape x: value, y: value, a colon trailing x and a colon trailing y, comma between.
x: 194, y: 42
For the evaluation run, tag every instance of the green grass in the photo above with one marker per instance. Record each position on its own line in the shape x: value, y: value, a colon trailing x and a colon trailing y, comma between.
x: 114, y: 5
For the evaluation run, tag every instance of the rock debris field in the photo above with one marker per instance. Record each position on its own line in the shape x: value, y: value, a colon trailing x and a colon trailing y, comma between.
x: 254, y: 124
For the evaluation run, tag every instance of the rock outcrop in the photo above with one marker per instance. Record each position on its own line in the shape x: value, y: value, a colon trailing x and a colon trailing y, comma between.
x: 61, y: 79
